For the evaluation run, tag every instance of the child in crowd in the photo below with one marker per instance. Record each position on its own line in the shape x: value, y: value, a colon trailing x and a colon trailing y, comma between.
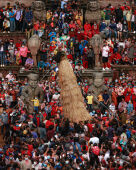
x: 29, y: 62
x: 6, y: 25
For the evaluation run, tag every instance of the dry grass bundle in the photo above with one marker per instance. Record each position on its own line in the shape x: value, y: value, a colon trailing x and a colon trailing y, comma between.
x: 71, y: 97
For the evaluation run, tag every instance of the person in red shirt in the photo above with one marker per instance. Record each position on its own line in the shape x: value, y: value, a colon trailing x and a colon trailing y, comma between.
x: 25, y: 151
x: 86, y: 88
x: 79, y: 35
x: 95, y: 28
x: 115, y: 58
x: 36, y: 27
x: 52, y: 47
x: 96, y: 150
x: 18, y: 44
x: 54, y: 109
x: 85, y: 62
x: 125, y: 6
x: 128, y: 97
x: 30, y: 147
x: 90, y: 127
x: 87, y: 27
x: 48, y: 123
x: 70, y: 57
x: 72, y: 33
x: 72, y: 25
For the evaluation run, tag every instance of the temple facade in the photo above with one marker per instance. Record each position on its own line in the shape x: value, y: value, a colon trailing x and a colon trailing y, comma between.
x: 28, y: 3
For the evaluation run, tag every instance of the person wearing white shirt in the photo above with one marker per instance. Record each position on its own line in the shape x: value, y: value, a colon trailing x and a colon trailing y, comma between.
x: 107, y: 156
x: 56, y: 96
x: 133, y: 19
x: 94, y: 140
x: 119, y: 30
x: 105, y: 55
x: 112, y: 108
x: 63, y: 3
x: 2, y: 54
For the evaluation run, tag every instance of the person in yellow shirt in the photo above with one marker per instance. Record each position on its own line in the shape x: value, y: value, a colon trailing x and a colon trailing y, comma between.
x: 90, y: 101
x: 100, y: 99
x: 36, y: 104
x: 48, y: 16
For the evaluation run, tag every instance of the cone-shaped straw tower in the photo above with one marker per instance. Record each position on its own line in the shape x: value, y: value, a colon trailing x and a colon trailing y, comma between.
x: 71, y: 97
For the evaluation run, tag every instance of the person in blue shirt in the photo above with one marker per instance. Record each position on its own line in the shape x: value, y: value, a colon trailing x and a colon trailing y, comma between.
x: 47, y: 65
x: 113, y: 29
x: 104, y: 29
x: 27, y: 20
x: 41, y: 65
x: 106, y: 100
x: 52, y: 35
x: 12, y: 20
x: 60, y: 23
x: 63, y: 3
x: 82, y: 46
x: 58, y: 166
x: 128, y: 133
x: 130, y: 107
x: 102, y: 26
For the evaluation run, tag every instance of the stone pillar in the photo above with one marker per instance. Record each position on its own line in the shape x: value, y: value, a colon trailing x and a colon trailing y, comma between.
x: 96, y: 42
x: 34, y: 45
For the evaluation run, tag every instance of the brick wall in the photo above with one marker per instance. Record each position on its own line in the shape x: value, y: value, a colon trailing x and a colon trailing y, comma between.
x: 28, y: 2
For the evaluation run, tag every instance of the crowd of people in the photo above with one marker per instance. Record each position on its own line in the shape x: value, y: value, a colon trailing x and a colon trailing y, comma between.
x: 44, y: 139
x: 65, y: 26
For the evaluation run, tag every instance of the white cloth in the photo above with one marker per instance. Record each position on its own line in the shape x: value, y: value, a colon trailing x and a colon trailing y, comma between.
x: 56, y: 96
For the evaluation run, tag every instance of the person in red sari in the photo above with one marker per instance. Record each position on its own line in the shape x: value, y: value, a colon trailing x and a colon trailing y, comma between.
x: 85, y: 62
x: 95, y: 28
x: 87, y: 31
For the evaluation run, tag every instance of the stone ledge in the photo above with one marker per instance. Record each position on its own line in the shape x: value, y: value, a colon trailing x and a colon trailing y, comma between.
x: 124, y: 67
x: 14, y: 35
x: 89, y: 73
